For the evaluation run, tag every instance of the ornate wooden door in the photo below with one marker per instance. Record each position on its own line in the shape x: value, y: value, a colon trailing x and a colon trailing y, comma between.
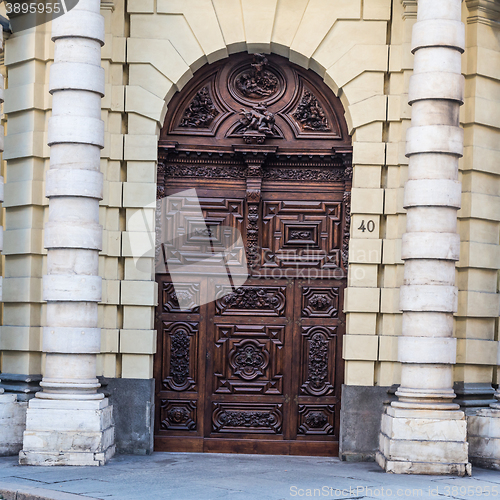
x: 258, y: 369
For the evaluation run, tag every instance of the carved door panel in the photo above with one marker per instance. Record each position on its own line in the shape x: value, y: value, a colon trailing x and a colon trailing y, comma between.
x: 249, y: 372
x: 182, y: 317
x: 318, y: 329
x: 274, y: 368
x: 180, y: 364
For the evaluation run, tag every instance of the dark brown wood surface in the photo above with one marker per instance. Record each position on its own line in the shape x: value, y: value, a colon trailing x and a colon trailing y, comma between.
x: 258, y: 369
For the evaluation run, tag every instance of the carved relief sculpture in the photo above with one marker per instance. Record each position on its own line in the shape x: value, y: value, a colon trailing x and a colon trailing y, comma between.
x: 310, y: 114
x: 347, y: 229
x: 318, y: 361
x: 259, y: 82
x: 246, y: 419
x: 320, y: 302
x: 178, y: 415
x: 205, y: 171
x: 181, y: 298
x: 201, y: 111
x: 160, y: 184
x: 256, y: 124
x: 179, y: 358
x: 265, y: 301
x: 248, y: 359
x: 251, y: 298
x: 301, y: 235
x: 305, y: 174
x: 316, y: 419
x: 252, y: 234
x: 243, y: 418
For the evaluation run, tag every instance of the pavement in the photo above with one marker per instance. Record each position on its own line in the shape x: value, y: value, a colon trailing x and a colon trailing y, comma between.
x: 197, y: 476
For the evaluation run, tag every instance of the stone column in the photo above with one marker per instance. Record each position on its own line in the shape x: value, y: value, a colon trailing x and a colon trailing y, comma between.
x: 424, y: 432
x: 69, y: 422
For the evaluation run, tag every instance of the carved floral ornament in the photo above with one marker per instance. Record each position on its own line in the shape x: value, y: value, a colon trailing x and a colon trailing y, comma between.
x: 256, y: 99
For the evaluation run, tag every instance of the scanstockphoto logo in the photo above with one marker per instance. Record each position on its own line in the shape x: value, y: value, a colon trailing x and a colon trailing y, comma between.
x: 24, y: 15
x: 189, y: 248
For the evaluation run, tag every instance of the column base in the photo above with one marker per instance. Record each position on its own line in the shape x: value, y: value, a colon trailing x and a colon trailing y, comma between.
x: 66, y: 432
x: 473, y: 396
x: 12, y: 424
x: 23, y: 386
x: 423, y: 442
x: 484, y: 438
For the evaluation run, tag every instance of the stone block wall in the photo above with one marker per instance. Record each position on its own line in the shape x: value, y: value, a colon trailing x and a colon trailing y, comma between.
x: 27, y: 55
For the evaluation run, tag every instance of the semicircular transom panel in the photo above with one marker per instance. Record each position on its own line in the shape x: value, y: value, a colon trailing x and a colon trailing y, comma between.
x: 256, y: 99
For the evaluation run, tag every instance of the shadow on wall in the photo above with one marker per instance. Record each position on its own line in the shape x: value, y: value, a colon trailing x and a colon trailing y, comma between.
x: 360, y: 421
x: 133, y: 413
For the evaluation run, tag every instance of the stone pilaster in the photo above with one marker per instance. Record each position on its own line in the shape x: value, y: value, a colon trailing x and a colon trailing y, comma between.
x: 12, y: 413
x: 483, y: 431
x: 69, y: 422
x: 424, y: 432
x: 484, y: 435
x: 478, y: 324
x: 479, y: 218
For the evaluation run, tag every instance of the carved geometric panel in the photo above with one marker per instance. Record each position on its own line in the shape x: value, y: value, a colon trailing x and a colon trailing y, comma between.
x: 301, y: 234
x: 183, y: 298
x: 254, y: 418
x: 320, y: 302
x: 178, y: 415
x: 248, y: 359
x: 180, y: 341
x: 318, y: 355
x: 251, y: 301
x: 191, y: 239
x: 316, y: 419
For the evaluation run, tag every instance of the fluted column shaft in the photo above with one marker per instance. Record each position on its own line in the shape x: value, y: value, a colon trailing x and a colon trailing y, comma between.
x: 432, y: 197
x: 74, y: 184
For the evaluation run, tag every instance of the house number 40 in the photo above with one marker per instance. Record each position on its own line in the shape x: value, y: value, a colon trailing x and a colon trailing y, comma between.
x: 370, y: 225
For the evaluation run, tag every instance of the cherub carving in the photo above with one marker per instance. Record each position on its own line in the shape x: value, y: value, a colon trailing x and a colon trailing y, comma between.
x: 258, y: 119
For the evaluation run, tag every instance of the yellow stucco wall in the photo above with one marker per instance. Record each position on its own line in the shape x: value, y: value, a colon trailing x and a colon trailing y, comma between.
x: 362, y: 50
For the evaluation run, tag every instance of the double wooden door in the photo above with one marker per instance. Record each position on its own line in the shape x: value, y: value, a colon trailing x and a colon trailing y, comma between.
x: 258, y: 369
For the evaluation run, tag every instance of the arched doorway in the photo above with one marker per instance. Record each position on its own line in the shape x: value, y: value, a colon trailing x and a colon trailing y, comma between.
x: 259, y: 368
